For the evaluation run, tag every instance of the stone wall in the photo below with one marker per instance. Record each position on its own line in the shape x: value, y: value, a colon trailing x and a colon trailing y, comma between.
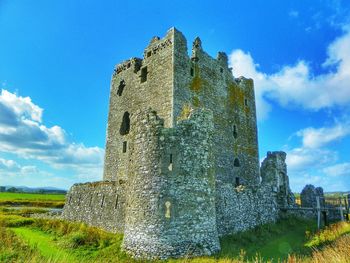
x: 245, y: 207
x: 99, y: 204
x: 273, y: 171
x: 170, y: 209
x: 308, y: 196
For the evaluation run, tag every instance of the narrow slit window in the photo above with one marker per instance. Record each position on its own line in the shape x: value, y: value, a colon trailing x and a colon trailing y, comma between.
x: 125, y: 145
x: 125, y: 126
x: 171, y: 159
x: 235, y: 131
x: 144, y: 74
x: 238, y: 183
x: 236, y: 163
x: 116, y: 202
x: 192, y: 72
x: 103, y: 200
x: 221, y: 70
x: 245, y: 102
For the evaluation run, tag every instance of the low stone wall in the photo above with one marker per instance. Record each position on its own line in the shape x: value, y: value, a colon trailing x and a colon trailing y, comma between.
x: 100, y: 204
x: 245, y: 208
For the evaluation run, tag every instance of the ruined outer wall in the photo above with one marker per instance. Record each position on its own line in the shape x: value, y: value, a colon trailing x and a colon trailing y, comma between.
x: 99, y: 204
x: 243, y: 208
x: 170, y: 210
x: 156, y: 92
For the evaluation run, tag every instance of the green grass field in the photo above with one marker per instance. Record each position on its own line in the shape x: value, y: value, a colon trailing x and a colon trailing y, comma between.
x: 25, y: 239
x: 31, y: 197
x: 33, y: 200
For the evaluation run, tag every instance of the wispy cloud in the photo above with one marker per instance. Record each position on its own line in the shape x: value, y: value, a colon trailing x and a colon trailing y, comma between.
x: 316, y: 138
x: 293, y: 13
x: 315, y: 162
x: 341, y: 169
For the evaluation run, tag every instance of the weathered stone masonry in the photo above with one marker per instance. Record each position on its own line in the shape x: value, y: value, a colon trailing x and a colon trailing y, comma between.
x: 181, y: 164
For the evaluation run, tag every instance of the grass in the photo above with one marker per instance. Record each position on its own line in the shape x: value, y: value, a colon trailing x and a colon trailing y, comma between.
x: 25, y: 239
x: 33, y: 197
x: 46, y: 244
x: 14, y: 249
x: 35, y: 200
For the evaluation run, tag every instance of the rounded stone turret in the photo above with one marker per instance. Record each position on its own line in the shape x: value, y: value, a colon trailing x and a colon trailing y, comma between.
x: 170, y: 202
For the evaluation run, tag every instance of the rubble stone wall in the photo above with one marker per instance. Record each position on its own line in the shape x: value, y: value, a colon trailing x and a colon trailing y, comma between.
x: 99, y: 204
x: 170, y: 207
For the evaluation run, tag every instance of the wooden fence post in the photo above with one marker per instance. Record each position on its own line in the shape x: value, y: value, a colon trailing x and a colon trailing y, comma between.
x: 341, y: 209
x: 346, y: 202
x: 318, y: 212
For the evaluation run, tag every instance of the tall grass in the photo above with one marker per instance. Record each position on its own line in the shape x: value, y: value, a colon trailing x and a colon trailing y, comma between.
x: 13, y: 249
x: 329, y: 234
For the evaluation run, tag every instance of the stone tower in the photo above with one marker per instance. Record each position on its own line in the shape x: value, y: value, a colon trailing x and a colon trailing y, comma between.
x: 181, y: 162
x: 173, y: 84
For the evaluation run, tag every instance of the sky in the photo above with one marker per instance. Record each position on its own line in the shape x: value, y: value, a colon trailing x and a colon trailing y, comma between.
x: 57, y: 58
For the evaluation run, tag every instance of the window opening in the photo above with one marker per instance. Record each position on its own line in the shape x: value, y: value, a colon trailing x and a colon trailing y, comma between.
x: 235, y: 131
x: 149, y: 53
x: 245, y: 102
x: 171, y: 159
x: 125, y: 144
x: 125, y: 126
x: 238, y: 181
x: 121, y: 88
x: 144, y: 74
x: 192, y: 72
x: 236, y: 163
x: 116, y: 202
x: 103, y: 200
x: 221, y: 70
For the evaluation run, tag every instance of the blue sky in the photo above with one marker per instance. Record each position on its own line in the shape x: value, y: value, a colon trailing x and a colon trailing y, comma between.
x: 57, y: 57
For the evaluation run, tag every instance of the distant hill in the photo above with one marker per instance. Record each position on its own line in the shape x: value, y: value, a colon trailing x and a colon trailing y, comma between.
x: 46, y: 189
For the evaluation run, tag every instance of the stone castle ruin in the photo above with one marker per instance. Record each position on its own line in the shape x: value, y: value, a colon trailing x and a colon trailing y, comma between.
x: 181, y: 164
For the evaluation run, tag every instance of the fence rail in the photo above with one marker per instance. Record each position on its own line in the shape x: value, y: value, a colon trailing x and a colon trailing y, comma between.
x: 323, y: 205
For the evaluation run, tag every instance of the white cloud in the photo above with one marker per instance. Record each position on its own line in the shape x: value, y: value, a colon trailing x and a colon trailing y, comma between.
x: 300, y: 159
x: 8, y: 165
x: 23, y: 133
x: 295, y: 84
x: 341, y: 169
x: 315, y: 138
x: 314, y: 163
x: 12, y: 168
x: 21, y: 106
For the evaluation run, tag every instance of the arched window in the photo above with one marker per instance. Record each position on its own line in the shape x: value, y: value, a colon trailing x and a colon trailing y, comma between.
x: 125, y: 126
x: 236, y: 163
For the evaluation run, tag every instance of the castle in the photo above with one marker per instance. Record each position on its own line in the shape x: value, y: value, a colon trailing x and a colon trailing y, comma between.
x: 181, y: 163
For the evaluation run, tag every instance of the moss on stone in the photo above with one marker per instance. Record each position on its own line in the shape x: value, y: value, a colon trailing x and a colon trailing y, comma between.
x: 235, y: 95
x: 196, y: 83
x: 196, y: 102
